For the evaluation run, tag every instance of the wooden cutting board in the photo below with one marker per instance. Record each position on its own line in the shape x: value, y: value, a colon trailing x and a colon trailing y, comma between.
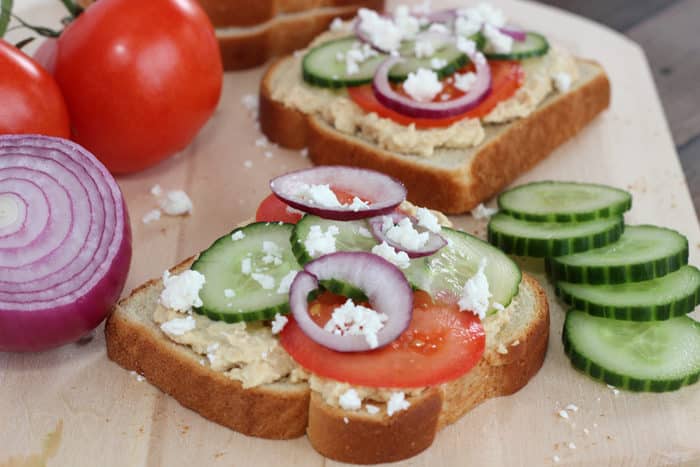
x: 73, y: 407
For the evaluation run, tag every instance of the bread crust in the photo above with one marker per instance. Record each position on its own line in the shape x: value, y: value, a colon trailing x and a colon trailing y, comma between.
x: 241, y: 49
x: 517, y: 147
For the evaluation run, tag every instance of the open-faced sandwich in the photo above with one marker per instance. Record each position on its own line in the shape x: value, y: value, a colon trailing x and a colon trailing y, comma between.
x: 454, y: 103
x: 364, y: 321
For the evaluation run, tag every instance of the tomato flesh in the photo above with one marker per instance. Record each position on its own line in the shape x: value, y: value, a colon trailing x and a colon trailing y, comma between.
x: 507, y: 78
x: 440, y: 344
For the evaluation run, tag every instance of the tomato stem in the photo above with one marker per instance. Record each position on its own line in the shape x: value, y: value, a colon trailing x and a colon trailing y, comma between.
x: 5, y: 13
x: 41, y: 30
x: 73, y: 8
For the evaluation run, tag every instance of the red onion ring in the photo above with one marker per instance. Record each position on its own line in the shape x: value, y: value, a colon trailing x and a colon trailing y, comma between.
x: 516, y: 33
x: 402, y: 104
x: 65, y: 242
x: 382, y: 192
x: 434, y: 243
x: 384, y: 284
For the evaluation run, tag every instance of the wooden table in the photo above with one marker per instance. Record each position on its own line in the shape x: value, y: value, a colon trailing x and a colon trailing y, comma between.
x: 73, y: 407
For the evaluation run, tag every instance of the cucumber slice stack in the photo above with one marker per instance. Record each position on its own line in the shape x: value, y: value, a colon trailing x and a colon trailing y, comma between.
x: 628, y: 295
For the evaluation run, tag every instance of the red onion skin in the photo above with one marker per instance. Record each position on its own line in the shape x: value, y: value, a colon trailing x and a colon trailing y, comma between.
x: 22, y: 331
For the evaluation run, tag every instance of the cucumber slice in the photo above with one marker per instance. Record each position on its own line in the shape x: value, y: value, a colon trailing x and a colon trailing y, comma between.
x: 670, y: 296
x: 563, y: 201
x: 454, y: 60
x: 446, y: 271
x: 540, y: 239
x: 221, y: 265
x: 321, y: 67
x: 534, y: 45
x: 642, y: 253
x: 654, y: 356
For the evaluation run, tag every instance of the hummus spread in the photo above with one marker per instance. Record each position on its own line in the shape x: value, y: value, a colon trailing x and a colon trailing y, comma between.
x: 338, y: 110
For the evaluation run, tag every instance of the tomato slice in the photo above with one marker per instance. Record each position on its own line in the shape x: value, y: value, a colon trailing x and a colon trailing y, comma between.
x: 507, y: 78
x: 440, y: 344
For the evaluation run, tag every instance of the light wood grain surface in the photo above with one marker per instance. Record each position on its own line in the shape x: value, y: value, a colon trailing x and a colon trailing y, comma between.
x: 73, y: 407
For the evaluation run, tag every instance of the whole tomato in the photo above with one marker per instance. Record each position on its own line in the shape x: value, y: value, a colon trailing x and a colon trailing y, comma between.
x: 30, y: 101
x: 140, y: 78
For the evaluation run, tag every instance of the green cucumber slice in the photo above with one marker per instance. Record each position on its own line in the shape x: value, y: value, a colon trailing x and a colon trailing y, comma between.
x: 447, y: 270
x: 653, y: 356
x: 321, y: 67
x: 541, y: 239
x: 221, y: 265
x: 670, y: 296
x: 454, y: 60
x: 642, y: 253
x: 534, y: 45
x: 563, y: 201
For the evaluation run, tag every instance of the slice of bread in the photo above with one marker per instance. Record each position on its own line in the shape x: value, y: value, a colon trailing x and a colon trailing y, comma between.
x: 281, y: 410
x: 246, y: 42
x: 453, y: 180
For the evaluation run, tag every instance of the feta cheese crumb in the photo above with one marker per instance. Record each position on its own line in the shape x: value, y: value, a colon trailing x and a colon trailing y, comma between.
x: 382, y: 32
x: 273, y: 253
x: 151, y: 216
x: 467, y: 25
x: 279, y: 323
x: 482, y: 212
x: 614, y: 389
x: 586, y: 431
x: 356, y: 320
x: 358, y: 205
x: 386, y: 251
x: 246, y: 266
x: 497, y: 42
x: 156, y: 190
x: 304, y: 153
x: 337, y: 24
x: 502, y: 349
x: 404, y: 234
x: 497, y: 306
x: 464, y: 82
x: 438, y: 63
x: 321, y: 195
x: 562, y: 81
x: 572, y: 407
x: 427, y: 219
x: 556, y: 458
x: 422, y: 85
x: 476, y: 294
x: 250, y: 102
x: 364, y: 232
x: 248, y: 164
x: 346, y: 420
x: 237, y: 235
x: 267, y: 282
x: 286, y: 282
x: 423, y: 48
x: 564, y: 414
x: 176, y: 203
x: 372, y: 409
x: 181, y: 291
x: 406, y: 23
x: 397, y: 402
x: 515, y: 343
x: 349, y: 400
x: 211, y: 351
x: 319, y: 242
x: 229, y: 293
x: 262, y: 142
x: 571, y: 446
x: 139, y: 378
x: 466, y: 45
x: 179, y: 326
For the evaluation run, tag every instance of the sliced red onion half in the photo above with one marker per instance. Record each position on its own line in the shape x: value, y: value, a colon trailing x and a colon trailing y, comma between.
x: 381, y: 192
x: 407, y: 106
x: 434, y: 243
x: 65, y: 242
x: 384, y: 284
x: 516, y: 33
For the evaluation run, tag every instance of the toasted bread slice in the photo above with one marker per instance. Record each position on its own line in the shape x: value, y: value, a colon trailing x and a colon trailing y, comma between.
x: 253, y: 44
x: 283, y: 410
x: 452, y: 180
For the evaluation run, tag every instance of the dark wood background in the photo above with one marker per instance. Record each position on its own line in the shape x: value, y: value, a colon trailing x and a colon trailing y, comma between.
x: 669, y: 33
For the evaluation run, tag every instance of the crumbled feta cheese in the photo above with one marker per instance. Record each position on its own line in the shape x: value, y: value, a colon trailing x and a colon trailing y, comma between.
x: 422, y: 85
x: 502, y: 349
x: 357, y: 204
x: 466, y: 45
x: 586, y: 431
x: 397, y: 402
x: 406, y: 23
x: 349, y: 400
x: 484, y: 13
x: 321, y: 195
x: 427, y: 219
x: 237, y: 235
x: 515, y: 343
x: 438, y: 63
x: 404, y: 234
x: 464, y: 82
x: 156, y: 190
x: 386, y: 251
x: 291, y: 210
x: 286, y: 282
x: 423, y: 48
x: 556, y: 458
x: 151, y: 216
x: 496, y: 41
x: 346, y: 420
x: 246, y: 266
x: 266, y: 281
x: 356, y: 320
x: 476, y: 294
x: 181, y: 291
x: 337, y: 24
x: 176, y: 203
x: 466, y: 26
x: 179, y: 326
x: 482, y: 212
x: 380, y: 31
x: 304, y: 153
x: 279, y: 323
x: 262, y: 142
x: 372, y: 409
x: 211, y: 351
x: 614, y: 389
x: 572, y: 407
x: 248, y: 164
x: 139, y: 378
x: 319, y: 242
x: 562, y: 81
x: 439, y: 28
x: 364, y: 232
x: 571, y: 446
x: 250, y: 102
x: 273, y: 253
x: 229, y: 293
x: 497, y: 306
x: 564, y: 414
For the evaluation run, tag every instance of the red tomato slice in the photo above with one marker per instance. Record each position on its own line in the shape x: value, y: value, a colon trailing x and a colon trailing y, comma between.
x: 440, y: 344
x: 273, y: 209
x: 507, y: 77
